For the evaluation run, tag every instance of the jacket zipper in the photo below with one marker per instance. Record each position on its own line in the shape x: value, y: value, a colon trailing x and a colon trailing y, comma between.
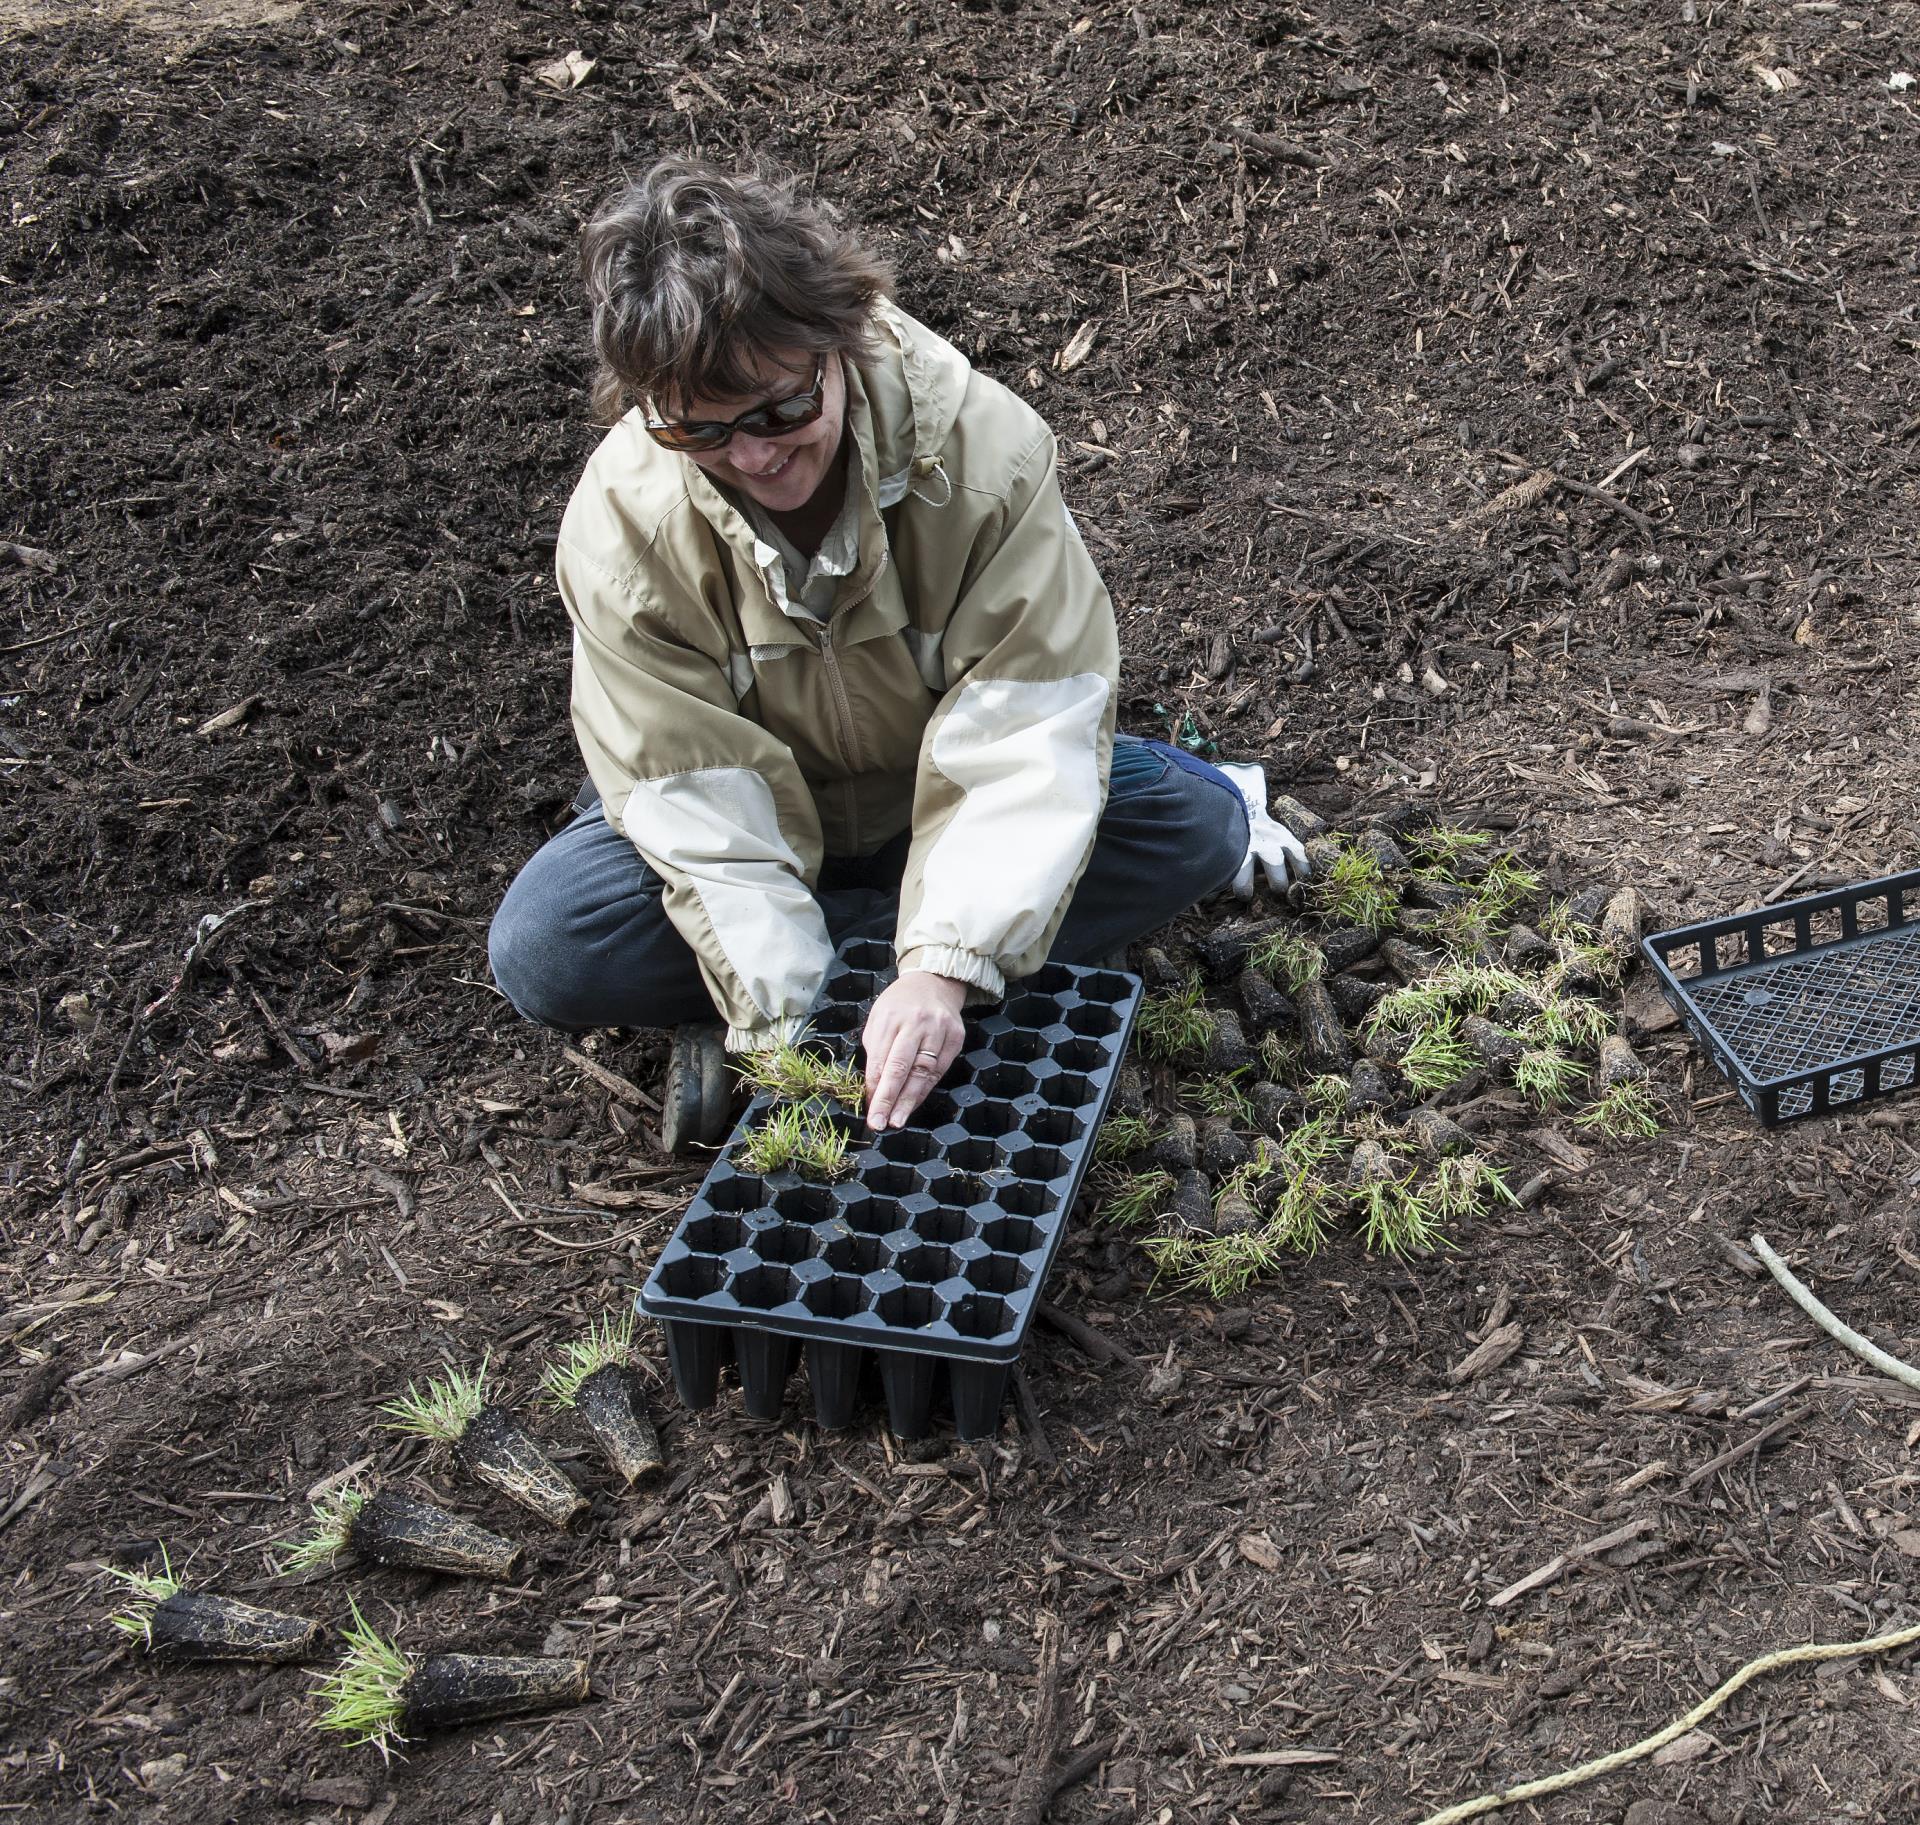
x: 849, y: 737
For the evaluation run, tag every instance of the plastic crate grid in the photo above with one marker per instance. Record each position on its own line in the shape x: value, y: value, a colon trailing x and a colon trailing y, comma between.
x: 927, y: 1260
x: 1805, y: 1007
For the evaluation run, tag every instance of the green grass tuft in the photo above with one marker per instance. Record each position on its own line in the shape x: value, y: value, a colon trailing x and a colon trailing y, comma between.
x: 1437, y: 1057
x: 1546, y: 1075
x: 1356, y: 892
x: 1397, y: 1219
x: 1292, y: 957
x: 1174, y: 1024
x: 444, y: 1411
x: 1443, y: 846
x: 1570, y: 1022
x: 366, y: 1693
x: 797, y: 1137
x: 150, y: 1590
x: 608, y: 1343
x: 1622, y: 1113
x: 1137, y: 1199
x: 1280, y: 1057
x: 795, y: 1074
x: 1466, y: 1185
x: 329, y: 1536
x: 1122, y: 1136
x: 1328, y: 1095
x: 1221, y: 1096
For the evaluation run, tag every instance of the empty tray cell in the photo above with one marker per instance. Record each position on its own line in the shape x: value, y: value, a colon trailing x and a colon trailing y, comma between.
x: 957, y: 1190
x: 1105, y: 985
x: 926, y: 1264
x: 765, y: 1359
x: 979, y: 1155
x: 854, y: 1255
x: 1054, y: 979
x: 979, y: 1389
x: 1081, y: 1055
x: 937, y: 1109
x: 855, y: 987
x: 1033, y: 1011
x: 737, y: 1191
x: 806, y: 1204
x: 693, y: 1277
x: 693, y: 1354
x: 998, y: 1274
x: 890, y: 1181
x: 1039, y: 1163
x: 981, y: 1315
x: 1007, y: 1081
x: 838, y: 1022
x: 909, y: 1308
x: 1056, y: 1127
x: 1013, y: 1235
x: 1027, y: 1198
x: 905, y: 1147
x: 869, y: 1215
x: 762, y: 1289
x: 1069, y: 1090
x: 790, y: 1243
x: 1093, y: 1022
x: 948, y: 1223
x: 714, y: 1235
x: 840, y: 1297
x: 833, y: 1376
x: 868, y: 954
x: 986, y: 1120
x: 1021, y: 1047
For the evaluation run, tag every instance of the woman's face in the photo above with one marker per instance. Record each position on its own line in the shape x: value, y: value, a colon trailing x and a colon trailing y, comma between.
x: 780, y: 473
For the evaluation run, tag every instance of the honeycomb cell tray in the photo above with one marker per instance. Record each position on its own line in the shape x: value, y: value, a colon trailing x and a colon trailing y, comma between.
x: 925, y: 1263
x: 1807, y: 1007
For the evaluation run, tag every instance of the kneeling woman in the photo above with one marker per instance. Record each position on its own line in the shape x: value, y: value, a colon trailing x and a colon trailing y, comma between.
x: 842, y: 667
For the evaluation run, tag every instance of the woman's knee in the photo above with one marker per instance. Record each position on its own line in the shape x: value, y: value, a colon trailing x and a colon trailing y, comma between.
x: 531, y: 967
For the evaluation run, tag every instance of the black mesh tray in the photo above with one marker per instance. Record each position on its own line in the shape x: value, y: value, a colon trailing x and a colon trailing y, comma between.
x: 1806, y: 1007
x: 927, y: 1261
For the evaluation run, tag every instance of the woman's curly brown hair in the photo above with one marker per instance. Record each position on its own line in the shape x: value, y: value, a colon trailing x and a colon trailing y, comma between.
x: 694, y: 274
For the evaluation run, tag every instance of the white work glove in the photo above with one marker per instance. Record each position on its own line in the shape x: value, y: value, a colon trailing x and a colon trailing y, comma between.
x: 1278, y: 851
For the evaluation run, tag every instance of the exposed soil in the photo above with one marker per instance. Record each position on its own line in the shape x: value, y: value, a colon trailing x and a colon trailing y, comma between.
x: 292, y: 359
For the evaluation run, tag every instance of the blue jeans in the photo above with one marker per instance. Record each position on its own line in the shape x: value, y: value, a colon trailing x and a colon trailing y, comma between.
x: 581, y: 940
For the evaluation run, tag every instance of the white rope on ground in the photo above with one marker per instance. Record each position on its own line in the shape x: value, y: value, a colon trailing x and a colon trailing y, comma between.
x: 1844, y: 1334
x: 1587, y: 1771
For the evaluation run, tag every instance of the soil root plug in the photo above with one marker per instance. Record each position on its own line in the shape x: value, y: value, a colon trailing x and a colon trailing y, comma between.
x: 174, y: 1623
x: 593, y: 1376
x: 390, y: 1529
x: 381, y: 1696
x: 1323, y: 1040
x: 489, y: 1443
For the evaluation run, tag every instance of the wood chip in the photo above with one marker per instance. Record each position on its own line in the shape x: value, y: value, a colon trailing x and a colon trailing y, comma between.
x: 1489, y: 1355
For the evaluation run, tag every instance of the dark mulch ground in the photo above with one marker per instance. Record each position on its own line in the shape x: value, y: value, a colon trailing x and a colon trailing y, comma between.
x: 292, y: 362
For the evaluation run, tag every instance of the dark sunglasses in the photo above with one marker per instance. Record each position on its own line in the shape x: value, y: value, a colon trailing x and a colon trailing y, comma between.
x: 774, y: 419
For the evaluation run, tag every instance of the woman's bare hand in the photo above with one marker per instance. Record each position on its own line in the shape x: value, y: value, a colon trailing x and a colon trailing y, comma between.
x: 914, y: 1032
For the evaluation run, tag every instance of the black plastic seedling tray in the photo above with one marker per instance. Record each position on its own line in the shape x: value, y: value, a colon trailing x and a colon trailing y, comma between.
x: 927, y: 1260
x: 1806, y: 1007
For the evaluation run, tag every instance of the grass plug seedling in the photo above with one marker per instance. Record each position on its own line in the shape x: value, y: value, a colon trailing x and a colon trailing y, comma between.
x: 1137, y: 1199
x: 1624, y: 1112
x: 1122, y: 1136
x: 174, y: 1623
x: 1356, y: 892
x: 801, y: 1138
x: 1444, y: 847
x: 1219, y: 1096
x: 390, y: 1529
x: 1546, y: 1075
x: 488, y: 1442
x: 1467, y: 1186
x: 1290, y: 957
x: 795, y: 1074
x: 1328, y: 1095
x: 594, y: 1376
x: 1437, y: 1057
x: 1174, y: 1024
x: 380, y: 1696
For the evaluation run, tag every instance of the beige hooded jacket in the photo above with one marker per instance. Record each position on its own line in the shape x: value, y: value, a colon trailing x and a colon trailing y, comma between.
x: 962, y: 687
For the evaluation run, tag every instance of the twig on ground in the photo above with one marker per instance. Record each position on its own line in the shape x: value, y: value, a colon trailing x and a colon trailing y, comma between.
x: 1606, y: 1764
x: 1035, y: 1784
x: 1095, y: 1343
x: 1840, y: 1333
